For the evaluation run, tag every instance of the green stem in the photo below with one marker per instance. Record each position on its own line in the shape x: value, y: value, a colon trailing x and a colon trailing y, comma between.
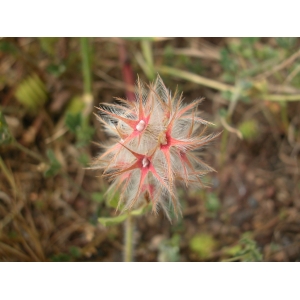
x: 87, y: 78
x: 129, y: 230
x: 86, y: 65
x: 148, y: 55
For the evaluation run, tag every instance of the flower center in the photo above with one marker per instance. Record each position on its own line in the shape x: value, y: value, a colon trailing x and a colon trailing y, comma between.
x: 162, y: 138
x: 140, y: 126
x: 145, y: 162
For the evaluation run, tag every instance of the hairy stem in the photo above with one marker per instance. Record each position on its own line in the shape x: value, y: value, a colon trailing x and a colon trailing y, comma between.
x: 129, y: 230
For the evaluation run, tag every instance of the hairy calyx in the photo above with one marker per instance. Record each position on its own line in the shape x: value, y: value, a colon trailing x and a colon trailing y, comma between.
x: 159, y: 142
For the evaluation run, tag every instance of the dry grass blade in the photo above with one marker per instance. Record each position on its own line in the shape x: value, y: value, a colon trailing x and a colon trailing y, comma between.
x: 196, y: 79
x: 280, y: 66
x: 9, y: 253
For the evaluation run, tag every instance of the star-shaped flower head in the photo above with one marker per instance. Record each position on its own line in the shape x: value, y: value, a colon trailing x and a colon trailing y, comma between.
x: 154, y: 145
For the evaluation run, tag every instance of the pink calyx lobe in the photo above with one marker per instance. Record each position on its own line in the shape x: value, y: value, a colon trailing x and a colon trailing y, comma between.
x: 142, y: 114
x: 145, y: 165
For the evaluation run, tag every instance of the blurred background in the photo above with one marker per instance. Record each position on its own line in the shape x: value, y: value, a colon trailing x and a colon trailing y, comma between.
x: 50, y: 204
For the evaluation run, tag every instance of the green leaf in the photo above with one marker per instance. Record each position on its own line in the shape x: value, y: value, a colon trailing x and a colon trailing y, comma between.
x: 249, y: 41
x: 249, y: 129
x: 228, y: 77
x: 212, y: 202
x: 286, y: 42
x: 223, y: 112
x: 227, y: 62
x: 110, y: 221
x: 98, y: 197
x: 83, y: 159
x: 267, y: 52
x: 234, y: 47
x: 113, y: 221
x: 73, y: 121
x: 54, y: 166
x: 62, y: 257
x: 5, y: 135
x: 169, y: 51
x: 48, y: 44
x: 56, y: 70
x: 250, y: 251
x: 140, y: 211
x: 8, y: 47
x: 77, y: 124
x: 76, y: 105
x: 227, y: 95
x: 247, y: 53
x: 233, y: 251
x: 139, y: 38
x: 203, y: 244
x: 31, y: 92
x: 169, y: 249
x: 75, y: 251
x: 112, y: 199
x: 84, y: 134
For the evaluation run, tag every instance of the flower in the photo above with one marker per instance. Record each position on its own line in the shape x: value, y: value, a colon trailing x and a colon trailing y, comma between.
x: 153, y: 146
